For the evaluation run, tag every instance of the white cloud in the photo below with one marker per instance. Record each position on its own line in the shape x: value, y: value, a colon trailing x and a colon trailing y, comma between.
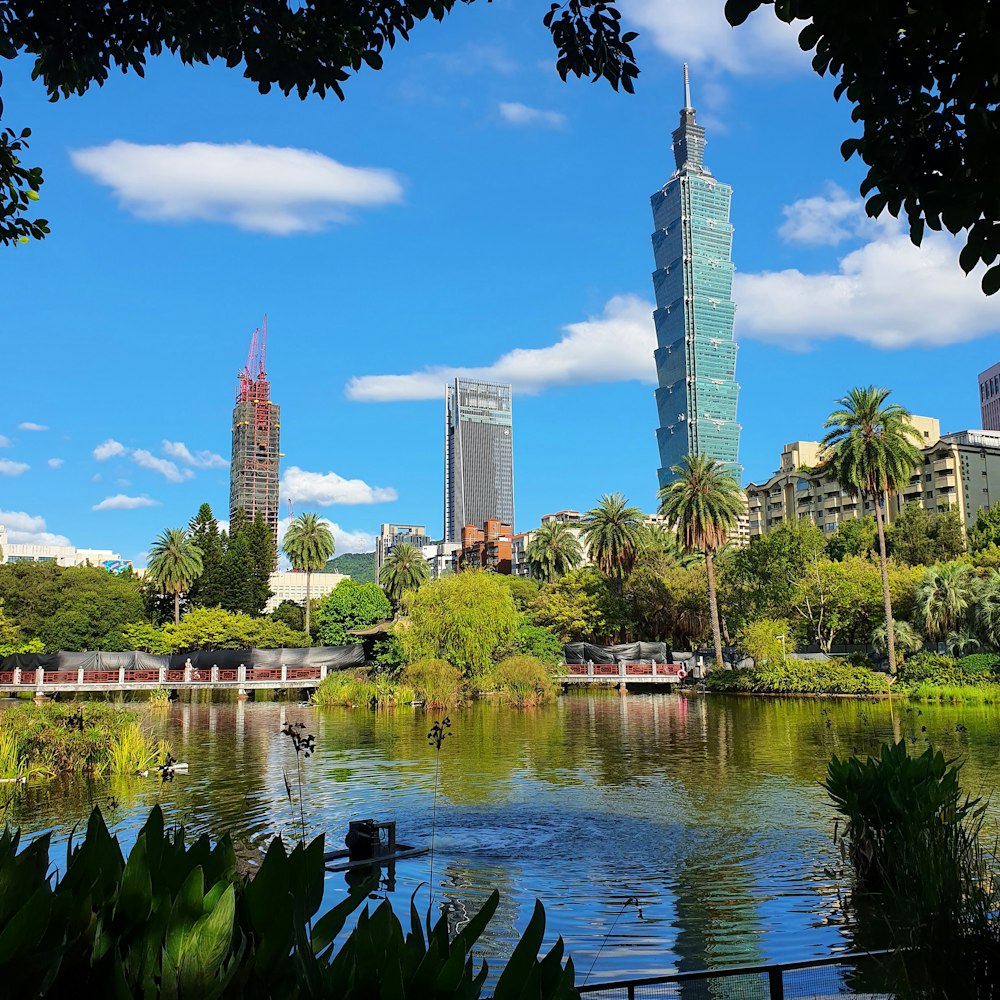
x: 269, y: 189
x: 9, y: 468
x: 200, y: 459
x: 824, y: 219
x: 614, y: 347
x: 698, y: 33
x: 121, y: 502
x: 163, y: 466
x: 109, y: 449
x: 328, y: 488
x: 29, y: 529
x: 55, y: 463
x: 521, y: 114
x: 29, y: 426
x: 5, y: 442
x: 886, y: 292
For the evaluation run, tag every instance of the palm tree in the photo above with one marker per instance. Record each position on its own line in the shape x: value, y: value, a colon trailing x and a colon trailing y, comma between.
x: 704, y: 503
x: 663, y: 542
x: 309, y: 544
x: 612, y: 533
x: 944, y: 595
x: 405, y: 568
x: 871, y: 449
x: 553, y: 551
x: 988, y: 610
x: 174, y: 564
x: 905, y: 637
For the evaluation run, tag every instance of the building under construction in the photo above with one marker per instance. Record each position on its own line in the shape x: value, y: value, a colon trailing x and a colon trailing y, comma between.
x: 253, y: 478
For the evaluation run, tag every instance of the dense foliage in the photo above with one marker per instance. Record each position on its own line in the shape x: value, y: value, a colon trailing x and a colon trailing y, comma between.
x: 213, y: 628
x: 800, y: 677
x: 177, y: 920
x: 465, y: 619
x: 350, y: 605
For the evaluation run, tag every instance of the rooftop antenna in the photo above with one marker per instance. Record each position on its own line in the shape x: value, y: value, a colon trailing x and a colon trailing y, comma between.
x: 687, y: 90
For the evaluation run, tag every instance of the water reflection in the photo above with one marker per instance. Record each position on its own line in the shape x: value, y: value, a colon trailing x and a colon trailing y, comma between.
x: 708, y: 811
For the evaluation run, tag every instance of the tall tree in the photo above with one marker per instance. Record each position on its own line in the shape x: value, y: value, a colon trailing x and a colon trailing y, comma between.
x: 612, y: 533
x: 872, y: 448
x: 704, y: 502
x: 308, y: 544
x: 237, y: 574
x: 207, y: 590
x: 174, y: 564
x: 921, y: 537
x: 405, y: 568
x: 553, y: 551
x: 263, y: 562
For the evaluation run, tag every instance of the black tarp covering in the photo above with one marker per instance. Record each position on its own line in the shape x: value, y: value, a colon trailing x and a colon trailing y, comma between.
x: 630, y: 652
x: 337, y: 657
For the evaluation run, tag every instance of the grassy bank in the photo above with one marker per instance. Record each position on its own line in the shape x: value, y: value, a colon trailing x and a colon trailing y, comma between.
x: 77, y: 738
x: 520, y: 681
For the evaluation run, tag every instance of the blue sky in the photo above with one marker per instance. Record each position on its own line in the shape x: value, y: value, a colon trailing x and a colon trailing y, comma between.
x: 463, y: 209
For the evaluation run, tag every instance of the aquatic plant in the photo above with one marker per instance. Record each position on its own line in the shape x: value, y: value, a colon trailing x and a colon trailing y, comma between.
x: 800, y: 677
x: 177, y: 920
x: 159, y: 697
x: 440, y: 731
x: 523, y: 680
x: 79, y: 738
x: 437, y: 682
x: 12, y: 762
x: 304, y: 745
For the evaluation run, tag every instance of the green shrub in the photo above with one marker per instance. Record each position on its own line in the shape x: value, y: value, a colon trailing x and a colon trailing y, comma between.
x: 436, y: 682
x: 523, y: 680
x: 986, y: 665
x: 930, y: 667
x: 178, y: 921
x: 800, y: 677
x: 539, y: 642
x: 767, y: 640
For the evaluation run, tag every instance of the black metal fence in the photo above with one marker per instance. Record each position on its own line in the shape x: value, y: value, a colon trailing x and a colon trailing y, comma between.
x: 868, y: 976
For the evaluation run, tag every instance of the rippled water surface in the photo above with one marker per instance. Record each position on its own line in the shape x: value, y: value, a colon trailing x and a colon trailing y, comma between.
x: 707, y: 810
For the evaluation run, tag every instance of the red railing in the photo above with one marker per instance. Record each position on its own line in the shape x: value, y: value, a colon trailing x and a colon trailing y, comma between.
x: 263, y: 673
x: 142, y: 676
x: 229, y: 675
x: 176, y: 676
x: 99, y: 677
x: 631, y: 669
x: 152, y: 676
x: 6, y: 676
x: 303, y: 673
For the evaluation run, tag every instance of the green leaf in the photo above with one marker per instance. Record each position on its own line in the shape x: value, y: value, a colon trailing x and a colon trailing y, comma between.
x: 135, y: 896
x: 206, y: 948
x: 991, y: 280
x: 332, y: 923
x: 523, y: 960
x: 185, y: 913
x: 27, y: 926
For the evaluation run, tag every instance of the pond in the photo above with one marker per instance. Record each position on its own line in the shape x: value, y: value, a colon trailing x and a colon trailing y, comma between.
x: 707, y: 812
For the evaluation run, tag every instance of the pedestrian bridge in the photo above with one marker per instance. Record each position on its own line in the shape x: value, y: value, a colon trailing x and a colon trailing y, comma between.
x: 642, y: 672
x: 241, y: 678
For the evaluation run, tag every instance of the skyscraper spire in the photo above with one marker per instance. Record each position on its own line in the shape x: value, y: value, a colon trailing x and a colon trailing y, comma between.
x: 689, y: 136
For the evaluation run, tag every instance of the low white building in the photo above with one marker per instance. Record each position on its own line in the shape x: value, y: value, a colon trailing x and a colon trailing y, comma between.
x: 61, y: 555
x: 442, y: 558
x: 291, y: 586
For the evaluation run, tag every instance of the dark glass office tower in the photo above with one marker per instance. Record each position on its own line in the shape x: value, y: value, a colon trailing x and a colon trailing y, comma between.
x: 479, y: 459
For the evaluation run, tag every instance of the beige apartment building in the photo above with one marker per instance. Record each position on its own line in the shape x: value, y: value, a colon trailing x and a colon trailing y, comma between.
x: 960, y: 470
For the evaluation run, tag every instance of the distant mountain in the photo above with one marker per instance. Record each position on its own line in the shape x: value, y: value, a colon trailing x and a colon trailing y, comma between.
x: 359, y: 566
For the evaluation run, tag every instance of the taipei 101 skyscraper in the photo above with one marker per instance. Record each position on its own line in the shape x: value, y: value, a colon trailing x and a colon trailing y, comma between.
x: 696, y: 353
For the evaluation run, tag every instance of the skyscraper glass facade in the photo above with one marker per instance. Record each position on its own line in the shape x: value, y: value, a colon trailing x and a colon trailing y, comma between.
x: 479, y: 459
x: 693, y: 281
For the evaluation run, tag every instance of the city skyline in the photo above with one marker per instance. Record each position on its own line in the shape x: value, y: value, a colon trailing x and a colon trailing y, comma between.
x: 462, y: 213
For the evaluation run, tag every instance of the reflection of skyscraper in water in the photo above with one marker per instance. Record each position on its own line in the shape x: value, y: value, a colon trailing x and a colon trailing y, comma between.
x: 479, y: 461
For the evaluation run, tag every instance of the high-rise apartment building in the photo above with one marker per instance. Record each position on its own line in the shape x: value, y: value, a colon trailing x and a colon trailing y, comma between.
x: 253, y: 476
x: 479, y: 456
x: 989, y: 398
x: 695, y: 353
x: 392, y: 535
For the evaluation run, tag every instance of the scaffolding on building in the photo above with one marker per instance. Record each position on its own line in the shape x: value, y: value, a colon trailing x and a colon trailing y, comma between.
x: 254, y: 474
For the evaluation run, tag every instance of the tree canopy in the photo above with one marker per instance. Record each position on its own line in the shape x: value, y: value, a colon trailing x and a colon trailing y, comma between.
x: 348, y: 606
x: 922, y: 79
